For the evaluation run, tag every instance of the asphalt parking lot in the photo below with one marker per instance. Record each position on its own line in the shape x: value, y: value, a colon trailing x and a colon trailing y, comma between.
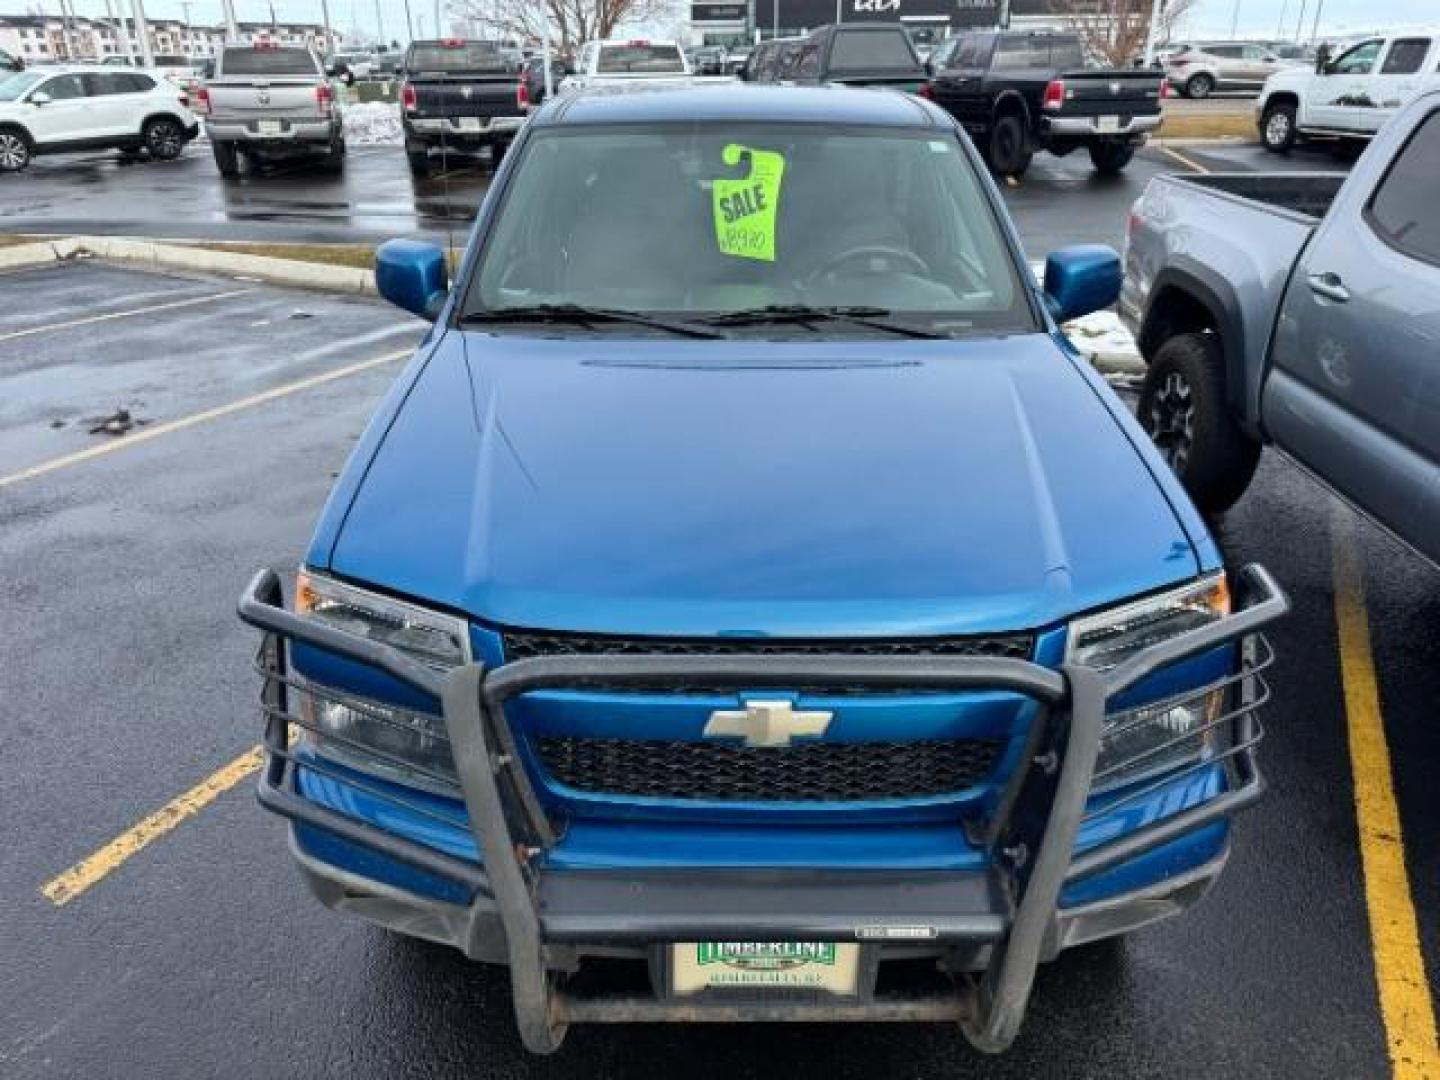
x: 156, y: 927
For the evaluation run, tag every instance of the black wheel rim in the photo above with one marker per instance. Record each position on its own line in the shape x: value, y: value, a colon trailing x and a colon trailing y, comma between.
x: 1172, y: 420
x: 13, y: 153
x: 165, y: 140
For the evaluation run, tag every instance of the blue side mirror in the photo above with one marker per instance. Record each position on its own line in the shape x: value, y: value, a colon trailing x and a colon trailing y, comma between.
x: 1081, y: 279
x: 411, y: 274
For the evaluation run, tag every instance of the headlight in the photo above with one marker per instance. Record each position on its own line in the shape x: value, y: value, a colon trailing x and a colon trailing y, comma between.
x: 409, y: 745
x: 1153, y: 738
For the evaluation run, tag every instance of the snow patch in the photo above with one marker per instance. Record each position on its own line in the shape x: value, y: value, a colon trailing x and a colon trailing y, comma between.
x: 373, y: 123
x: 1103, y: 338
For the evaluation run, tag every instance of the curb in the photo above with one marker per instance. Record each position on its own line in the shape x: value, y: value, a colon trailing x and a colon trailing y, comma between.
x: 348, y: 280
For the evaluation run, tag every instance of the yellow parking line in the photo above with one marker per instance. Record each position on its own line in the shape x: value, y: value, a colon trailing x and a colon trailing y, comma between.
x: 65, y: 887
x: 1193, y: 166
x: 1405, y: 1001
x: 155, y: 432
x: 89, y: 319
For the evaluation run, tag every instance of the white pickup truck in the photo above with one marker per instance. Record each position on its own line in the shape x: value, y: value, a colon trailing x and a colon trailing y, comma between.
x: 267, y: 102
x: 610, y: 63
x: 1351, y: 95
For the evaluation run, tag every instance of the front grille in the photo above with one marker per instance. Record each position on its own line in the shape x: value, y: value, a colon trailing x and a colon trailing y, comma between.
x: 806, y: 772
x: 526, y: 644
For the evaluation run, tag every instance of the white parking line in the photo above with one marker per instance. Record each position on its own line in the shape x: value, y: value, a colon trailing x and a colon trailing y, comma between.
x: 89, y: 319
x: 184, y: 422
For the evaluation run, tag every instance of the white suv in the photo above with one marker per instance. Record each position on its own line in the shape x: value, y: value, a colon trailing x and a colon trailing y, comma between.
x: 63, y: 109
x: 1350, y: 95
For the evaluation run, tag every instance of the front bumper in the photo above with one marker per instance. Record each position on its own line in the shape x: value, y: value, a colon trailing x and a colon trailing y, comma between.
x: 1091, y: 125
x: 997, y: 924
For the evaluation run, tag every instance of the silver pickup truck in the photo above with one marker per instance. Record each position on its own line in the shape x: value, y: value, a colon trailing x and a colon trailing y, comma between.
x: 268, y: 101
x: 1302, y: 311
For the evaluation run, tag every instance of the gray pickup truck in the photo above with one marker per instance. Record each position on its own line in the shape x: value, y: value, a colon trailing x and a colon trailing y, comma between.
x: 1302, y: 311
x: 268, y: 101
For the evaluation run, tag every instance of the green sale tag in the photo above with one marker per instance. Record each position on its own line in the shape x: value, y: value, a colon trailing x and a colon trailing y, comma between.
x: 745, y: 208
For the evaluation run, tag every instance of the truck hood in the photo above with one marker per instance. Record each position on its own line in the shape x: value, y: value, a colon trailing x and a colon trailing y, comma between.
x: 874, y: 487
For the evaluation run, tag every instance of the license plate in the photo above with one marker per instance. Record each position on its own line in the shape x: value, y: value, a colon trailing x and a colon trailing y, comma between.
x: 469, y: 123
x: 269, y: 127
x: 1108, y: 123
x: 775, y: 965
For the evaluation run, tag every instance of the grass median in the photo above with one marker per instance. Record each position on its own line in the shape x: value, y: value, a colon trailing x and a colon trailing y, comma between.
x: 1203, y: 126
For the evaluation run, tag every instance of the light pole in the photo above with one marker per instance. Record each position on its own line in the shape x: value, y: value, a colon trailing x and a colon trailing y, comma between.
x: 142, y: 32
x: 1152, y: 32
x: 1234, y: 19
x: 329, y: 37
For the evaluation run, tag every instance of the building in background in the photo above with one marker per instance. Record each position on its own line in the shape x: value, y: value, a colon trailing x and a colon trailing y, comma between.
x: 40, y: 39
x: 722, y: 22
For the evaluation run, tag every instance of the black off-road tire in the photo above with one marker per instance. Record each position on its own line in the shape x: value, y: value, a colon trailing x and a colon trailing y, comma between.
x: 227, y: 158
x: 1277, y: 127
x: 1008, y: 149
x: 164, y: 138
x: 1184, y: 410
x: 1199, y: 86
x: 1110, y: 158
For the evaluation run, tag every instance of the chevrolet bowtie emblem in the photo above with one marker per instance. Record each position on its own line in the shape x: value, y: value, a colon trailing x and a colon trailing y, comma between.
x: 766, y: 723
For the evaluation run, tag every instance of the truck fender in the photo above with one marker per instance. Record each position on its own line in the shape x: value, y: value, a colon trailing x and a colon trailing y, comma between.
x: 1187, y: 297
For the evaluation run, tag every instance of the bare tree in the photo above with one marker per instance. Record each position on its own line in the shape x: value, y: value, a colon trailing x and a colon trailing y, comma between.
x: 1117, y: 29
x: 572, y: 22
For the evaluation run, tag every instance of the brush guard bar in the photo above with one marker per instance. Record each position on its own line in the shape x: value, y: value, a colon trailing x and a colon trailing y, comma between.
x: 1031, y: 836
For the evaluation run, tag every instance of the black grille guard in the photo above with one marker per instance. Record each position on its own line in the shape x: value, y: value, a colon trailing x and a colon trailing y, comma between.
x: 1032, y: 835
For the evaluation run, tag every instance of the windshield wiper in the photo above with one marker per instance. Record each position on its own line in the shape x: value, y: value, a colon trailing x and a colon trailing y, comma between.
x: 579, y: 313
x: 874, y: 318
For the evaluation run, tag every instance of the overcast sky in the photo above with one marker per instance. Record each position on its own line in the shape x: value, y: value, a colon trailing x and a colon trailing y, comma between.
x: 1209, y: 17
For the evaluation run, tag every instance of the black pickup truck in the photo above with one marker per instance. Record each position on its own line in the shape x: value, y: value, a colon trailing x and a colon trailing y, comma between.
x: 457, y: 96
x: 856, y: 54
x: 1016, y: 92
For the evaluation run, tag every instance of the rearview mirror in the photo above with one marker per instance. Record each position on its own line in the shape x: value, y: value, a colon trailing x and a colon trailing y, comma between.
x: 412, y: 275
x: 1080, y: 280
x: 39, y: 98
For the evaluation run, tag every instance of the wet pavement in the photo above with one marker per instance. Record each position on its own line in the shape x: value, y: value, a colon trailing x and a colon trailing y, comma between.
x: 127, y: 680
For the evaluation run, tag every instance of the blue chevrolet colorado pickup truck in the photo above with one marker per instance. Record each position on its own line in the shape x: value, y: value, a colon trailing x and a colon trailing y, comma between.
x: 746, y: 605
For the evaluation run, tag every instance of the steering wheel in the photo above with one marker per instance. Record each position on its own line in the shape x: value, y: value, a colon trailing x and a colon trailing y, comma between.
x: 872, y: 251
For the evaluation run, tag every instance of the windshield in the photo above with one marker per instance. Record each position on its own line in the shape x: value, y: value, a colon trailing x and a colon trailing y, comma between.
x: 695, y: 219
x: 457, y: 56
x: 618, y: 59
x: 15, y: 85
